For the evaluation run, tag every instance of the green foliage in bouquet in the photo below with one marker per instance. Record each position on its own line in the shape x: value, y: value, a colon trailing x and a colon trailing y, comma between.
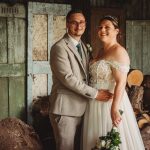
x: 109, y: 142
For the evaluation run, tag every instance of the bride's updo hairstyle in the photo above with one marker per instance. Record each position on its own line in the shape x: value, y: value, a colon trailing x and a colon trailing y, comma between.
x: 115, y: 22
x: 113, y: 19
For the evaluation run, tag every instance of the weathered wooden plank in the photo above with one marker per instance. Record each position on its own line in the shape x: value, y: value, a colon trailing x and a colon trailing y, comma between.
x: 17, y: 97
x: 134, y: 44
x: 138, y: 35
x: 17, y: 10
x: 53, y: 9
x: 146, y: 49
x: 9, y: 70
x: 50, y: 38
x: 134, y: 9
x: 3, y: 98
x: 3, y: 40
x: 137, y: 47
x: 129, y: 37
x: 16, y: 40
x: 41, y: 67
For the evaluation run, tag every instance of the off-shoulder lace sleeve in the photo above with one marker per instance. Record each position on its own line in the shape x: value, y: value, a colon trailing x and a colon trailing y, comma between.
x: 124, y: 68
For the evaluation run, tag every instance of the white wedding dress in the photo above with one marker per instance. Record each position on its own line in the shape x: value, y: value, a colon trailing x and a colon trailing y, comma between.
x: 97, y: 120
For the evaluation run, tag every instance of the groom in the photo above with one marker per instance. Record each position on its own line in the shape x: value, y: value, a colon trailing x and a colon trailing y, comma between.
x: 70, y: 91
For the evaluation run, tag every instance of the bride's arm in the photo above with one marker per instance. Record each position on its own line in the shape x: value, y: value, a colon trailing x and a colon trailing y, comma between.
x: 120, y: 76
x: 120, y: 79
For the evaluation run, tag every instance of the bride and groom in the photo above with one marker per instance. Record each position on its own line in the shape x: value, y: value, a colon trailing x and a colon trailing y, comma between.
x: 81, y: 95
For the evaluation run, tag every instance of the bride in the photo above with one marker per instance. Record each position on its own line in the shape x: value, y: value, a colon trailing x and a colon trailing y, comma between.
x: 109, y: 71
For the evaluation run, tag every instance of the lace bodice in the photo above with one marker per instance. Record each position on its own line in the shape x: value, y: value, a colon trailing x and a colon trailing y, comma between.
x: 101, y: 73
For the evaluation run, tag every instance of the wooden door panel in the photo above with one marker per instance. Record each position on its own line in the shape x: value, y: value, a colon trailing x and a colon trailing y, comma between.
x: 46, y: 26
x: 12, y: 61
x: 3, y: 39
x: 16, y: 40
x: 17, y: 97
x: 3, y: 98
x: 59, y: 24
x: 10, y: 70
x: 146, y: 48
x: 134, y: 50
x: 138, y: 44
x: 40, y: 49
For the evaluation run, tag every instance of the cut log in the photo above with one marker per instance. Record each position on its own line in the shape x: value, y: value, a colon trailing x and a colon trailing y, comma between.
x: 146, y: 116
x: 146, y: 81
x: 145, y: 132
x: 142, y: 122
x: 146, y: 99
x: 135, y: 77
x: 41, y: 122
x: 136, y: 97
x: 146, y: 96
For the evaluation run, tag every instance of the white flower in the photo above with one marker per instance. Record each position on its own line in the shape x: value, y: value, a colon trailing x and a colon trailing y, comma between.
x: 103, y: 143
x: 115, y: 148
x: 89, y: 47
x: 98, y: 144
x: 108, y: 144
x: 115, y: 129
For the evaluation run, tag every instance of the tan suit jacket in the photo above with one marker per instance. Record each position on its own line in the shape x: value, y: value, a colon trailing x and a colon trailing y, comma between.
x: 70, y: 92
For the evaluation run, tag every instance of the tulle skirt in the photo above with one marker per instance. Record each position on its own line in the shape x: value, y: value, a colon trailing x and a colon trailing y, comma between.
x: 97, y: 122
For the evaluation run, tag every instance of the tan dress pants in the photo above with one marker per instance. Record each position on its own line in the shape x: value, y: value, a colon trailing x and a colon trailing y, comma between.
x: 67, y: 131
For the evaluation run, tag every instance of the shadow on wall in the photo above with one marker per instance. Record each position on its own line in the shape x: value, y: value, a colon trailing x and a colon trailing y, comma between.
x: 41, y: 122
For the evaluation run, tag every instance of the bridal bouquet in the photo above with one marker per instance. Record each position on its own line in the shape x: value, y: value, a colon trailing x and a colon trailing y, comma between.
x: 109, y: 142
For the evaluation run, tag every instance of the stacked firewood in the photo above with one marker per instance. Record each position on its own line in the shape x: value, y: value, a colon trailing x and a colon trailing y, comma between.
x: 138, y: 89
x: 41, y: 122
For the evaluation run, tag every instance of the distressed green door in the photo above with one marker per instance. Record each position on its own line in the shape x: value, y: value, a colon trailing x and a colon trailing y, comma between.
x: 12, y: 61
x: 46, y: 24
x: 138, y: 44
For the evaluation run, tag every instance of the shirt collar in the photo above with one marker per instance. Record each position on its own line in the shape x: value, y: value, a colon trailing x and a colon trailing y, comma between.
x: 75, y: 42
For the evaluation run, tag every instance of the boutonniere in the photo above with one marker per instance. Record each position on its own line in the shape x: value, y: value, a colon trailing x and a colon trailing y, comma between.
x: 90, y: 50
x: 89, y: 47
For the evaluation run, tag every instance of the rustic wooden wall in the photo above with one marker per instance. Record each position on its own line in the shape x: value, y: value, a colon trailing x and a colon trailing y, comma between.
x: 135, y: 9
x: 12, y: 61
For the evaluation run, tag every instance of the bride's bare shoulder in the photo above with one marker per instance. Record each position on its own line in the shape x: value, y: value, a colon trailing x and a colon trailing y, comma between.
x: 120, y: 54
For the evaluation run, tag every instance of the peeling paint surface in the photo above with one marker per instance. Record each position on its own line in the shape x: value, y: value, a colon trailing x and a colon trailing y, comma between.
x: 40, y: 29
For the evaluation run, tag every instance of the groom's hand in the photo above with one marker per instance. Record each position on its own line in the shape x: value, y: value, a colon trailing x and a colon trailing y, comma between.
x: 104, y: 95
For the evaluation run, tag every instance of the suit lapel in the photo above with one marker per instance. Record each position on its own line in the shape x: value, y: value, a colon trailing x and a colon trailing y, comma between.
x: 75, y: 52
x: 85, y: 58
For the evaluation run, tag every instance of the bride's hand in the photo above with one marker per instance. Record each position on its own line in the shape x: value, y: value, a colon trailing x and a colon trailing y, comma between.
x: 116, y: 117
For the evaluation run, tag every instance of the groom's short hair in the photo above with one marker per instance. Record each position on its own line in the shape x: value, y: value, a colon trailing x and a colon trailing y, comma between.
x: 73, y: 11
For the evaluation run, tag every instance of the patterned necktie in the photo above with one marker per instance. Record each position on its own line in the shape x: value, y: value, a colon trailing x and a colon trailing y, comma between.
x: 79, y: 49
